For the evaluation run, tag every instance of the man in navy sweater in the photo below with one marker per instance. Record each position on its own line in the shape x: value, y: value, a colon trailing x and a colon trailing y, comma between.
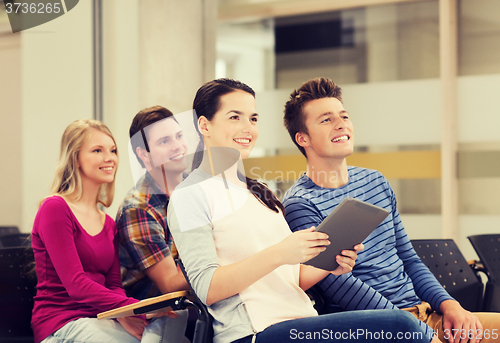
x: 388, y: 273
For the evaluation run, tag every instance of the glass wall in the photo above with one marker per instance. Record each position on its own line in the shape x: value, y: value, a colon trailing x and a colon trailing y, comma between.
x: 479, y: 37
x: 386, y: 59
x: 479, y: 59
x: 369, y: 44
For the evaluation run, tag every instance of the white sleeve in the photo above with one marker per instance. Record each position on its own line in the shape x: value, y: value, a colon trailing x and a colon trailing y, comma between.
x: 189, y: 220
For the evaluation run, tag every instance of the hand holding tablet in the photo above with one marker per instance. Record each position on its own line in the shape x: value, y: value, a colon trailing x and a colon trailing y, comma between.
x: 347, y: 225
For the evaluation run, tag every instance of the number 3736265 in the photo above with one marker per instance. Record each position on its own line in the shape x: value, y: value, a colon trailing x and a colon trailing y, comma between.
x: 24, y: 7
x: 470, y: 334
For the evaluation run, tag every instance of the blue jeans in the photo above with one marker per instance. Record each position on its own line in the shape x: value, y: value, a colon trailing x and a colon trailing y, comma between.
x: 373, y: 326
x: 93, y: 330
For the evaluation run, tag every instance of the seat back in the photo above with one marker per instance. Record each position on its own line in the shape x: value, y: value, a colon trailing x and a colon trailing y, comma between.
x: 8, y: 230
x: 446, y: 262
x: 204, y: 331
x: 17, y: 290
x: 491, y: 301
x: 487, y: 248
x: 15, y: 240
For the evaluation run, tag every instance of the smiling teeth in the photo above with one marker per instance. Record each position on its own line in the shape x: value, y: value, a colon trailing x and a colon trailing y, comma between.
x: 176, y: 158
x: 107, y: 168
x: 242, y: 140
x: 341, y: 138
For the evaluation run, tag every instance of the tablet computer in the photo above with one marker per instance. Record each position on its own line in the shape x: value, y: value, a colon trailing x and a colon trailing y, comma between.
x: 347, y: 225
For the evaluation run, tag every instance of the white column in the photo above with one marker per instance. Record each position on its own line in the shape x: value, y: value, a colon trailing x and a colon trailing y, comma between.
x: 121, y: 88
x: 10, y: 128
x: 56, y: 60
x: 176, y: 51
x: 449, y: 146
x: 156, y: 52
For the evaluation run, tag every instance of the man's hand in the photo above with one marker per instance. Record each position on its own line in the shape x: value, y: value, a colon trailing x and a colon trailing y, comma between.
x: 460, y: 324
x: 347, y: 260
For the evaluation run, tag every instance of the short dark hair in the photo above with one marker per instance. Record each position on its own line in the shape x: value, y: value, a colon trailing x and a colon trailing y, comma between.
x: 141, y: 121
x: 294, y: 118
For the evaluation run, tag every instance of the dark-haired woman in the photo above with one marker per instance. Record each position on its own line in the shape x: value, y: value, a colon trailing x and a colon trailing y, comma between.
x: 238, y: 251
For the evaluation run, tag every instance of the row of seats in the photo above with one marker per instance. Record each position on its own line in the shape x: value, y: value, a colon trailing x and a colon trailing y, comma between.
x: 487, y: 248
x: 460, y: 278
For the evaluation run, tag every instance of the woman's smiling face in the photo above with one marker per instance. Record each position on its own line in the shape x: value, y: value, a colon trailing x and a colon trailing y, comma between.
x: 98, y: 159
x: 234, y: 125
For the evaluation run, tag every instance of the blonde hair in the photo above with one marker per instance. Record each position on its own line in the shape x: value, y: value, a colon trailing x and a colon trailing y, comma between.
x: 67, y: 181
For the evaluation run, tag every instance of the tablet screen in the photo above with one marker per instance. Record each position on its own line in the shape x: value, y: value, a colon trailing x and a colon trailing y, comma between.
x: 347, y: 225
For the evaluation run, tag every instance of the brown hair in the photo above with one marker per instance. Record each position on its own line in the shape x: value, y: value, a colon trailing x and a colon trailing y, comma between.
x: 294, y: 118
x: 141, y: 121
x: 206, y: 103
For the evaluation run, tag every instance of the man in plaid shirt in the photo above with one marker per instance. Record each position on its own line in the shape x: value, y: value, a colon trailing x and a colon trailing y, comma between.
x: 147, y: 264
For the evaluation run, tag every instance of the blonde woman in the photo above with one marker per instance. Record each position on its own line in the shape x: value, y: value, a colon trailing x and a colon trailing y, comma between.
x: 75, y: 248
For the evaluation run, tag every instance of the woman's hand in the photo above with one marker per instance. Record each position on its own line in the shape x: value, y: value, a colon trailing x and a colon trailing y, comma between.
x: 133, y: 325
x: 347, y: 260
x: 296, y: 248
x: 301, y: 246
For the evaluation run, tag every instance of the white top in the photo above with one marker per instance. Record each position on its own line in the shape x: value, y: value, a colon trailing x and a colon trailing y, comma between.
x: 214, y: 226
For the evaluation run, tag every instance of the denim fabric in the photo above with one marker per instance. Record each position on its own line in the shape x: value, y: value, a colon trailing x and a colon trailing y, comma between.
x: 368, y: 326
x: 92, y: 330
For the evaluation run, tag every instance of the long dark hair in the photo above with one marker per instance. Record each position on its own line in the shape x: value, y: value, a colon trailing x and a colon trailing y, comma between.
x: 206, y: 103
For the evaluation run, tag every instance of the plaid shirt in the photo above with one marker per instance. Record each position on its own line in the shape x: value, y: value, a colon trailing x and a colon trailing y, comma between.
x: 144, y: 236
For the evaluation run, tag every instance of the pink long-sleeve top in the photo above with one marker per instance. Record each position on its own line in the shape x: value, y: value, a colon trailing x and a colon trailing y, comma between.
x: 78, y: 274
